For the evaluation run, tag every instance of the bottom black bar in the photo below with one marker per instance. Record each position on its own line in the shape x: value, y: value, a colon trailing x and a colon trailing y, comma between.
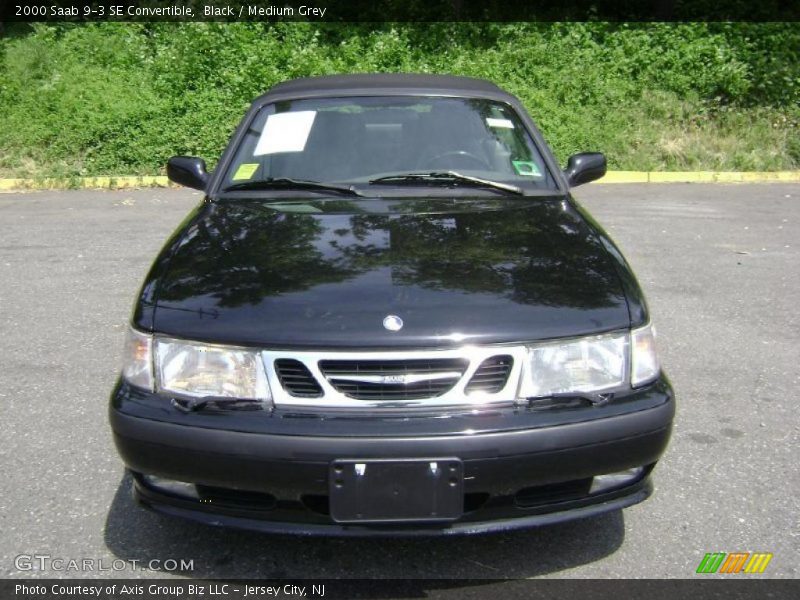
x: 733, y: 588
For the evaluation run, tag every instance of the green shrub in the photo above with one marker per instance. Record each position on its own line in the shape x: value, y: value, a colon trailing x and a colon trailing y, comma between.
x: 87, y: 99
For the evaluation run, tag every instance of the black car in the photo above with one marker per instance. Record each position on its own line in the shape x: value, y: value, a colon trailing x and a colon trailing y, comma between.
x: 389, y: 316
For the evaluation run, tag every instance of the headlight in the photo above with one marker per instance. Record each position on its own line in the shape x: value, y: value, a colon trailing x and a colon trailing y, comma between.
x: 137, y: 362
x: 199, y: 370
x: 644, y: 358
x: 591, y: 364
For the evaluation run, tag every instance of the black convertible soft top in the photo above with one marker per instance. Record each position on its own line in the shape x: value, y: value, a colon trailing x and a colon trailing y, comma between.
x: 383, y: 83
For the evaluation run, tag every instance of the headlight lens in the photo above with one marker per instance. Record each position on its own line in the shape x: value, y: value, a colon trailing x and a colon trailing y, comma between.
x: 644, y: 358
x: 137, y: 365
x: 591, y: 364
x: 199, y: 370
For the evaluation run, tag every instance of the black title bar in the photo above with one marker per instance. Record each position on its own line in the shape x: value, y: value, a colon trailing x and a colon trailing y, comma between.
x: 398, y: 10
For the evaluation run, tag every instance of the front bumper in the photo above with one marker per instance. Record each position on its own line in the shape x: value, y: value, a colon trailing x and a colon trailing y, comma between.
x: 269, y: 471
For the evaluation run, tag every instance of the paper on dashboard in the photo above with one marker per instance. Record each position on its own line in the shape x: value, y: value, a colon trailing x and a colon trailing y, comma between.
x: 285, y: 132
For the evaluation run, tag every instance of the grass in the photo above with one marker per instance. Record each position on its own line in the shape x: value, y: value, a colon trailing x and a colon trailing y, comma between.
x: 120, y: 98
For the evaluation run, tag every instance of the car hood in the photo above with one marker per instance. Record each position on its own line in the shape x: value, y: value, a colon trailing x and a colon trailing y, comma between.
x: 326, y: 273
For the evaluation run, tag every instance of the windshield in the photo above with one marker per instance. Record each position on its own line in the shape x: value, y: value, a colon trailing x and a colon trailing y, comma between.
x: 355, y: 141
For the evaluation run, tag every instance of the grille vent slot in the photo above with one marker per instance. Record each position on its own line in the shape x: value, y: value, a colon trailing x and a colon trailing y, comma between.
x: 297, y: 379
x: 492, y: 375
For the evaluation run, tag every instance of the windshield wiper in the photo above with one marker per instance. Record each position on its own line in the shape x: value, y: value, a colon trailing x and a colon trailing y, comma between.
x: 285, y: 183
x: 446, y: 177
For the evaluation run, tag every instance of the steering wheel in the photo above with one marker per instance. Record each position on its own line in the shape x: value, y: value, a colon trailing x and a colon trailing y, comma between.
x: 459, y: 156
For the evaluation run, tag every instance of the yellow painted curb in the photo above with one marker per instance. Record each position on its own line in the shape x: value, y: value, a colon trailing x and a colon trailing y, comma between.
x: 625, y: 177
x: 108, y: 182
x: 133, y: 181
x: 700, y: 177
x: 678, y: 177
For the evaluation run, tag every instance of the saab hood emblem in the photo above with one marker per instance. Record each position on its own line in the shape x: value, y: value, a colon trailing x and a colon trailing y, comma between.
x: 393, y: 323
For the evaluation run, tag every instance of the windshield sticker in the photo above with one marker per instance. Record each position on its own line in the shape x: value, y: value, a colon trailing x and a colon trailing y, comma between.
x: 245, y: 171
x: 502, y: 123
x: 285, y: 132
x: 527, y: 168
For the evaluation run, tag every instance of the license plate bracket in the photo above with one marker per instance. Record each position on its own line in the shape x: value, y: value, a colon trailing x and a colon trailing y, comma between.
x: 392, y: 490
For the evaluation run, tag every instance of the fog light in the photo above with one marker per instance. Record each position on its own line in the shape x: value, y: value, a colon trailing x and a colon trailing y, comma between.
x: 171, y: 486
x: 603, y: 483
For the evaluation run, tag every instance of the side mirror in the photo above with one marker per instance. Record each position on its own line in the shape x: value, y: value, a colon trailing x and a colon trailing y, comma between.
x: 189, y: 171
x: 585, y: 167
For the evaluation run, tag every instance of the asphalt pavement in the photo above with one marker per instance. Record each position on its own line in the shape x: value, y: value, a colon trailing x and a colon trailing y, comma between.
x: 720, y: 265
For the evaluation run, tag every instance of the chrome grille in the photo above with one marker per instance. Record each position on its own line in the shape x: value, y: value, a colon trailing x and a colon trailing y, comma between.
x: 492, y: 374
x: 409, y: 379
x: 393, y: 379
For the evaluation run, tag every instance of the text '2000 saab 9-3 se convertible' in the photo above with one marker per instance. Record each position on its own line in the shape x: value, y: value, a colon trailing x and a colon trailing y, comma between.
x: 388, y: 316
